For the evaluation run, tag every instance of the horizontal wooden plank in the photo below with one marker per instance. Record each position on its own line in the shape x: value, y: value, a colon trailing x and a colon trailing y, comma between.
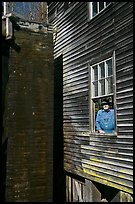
x: 83, y: 42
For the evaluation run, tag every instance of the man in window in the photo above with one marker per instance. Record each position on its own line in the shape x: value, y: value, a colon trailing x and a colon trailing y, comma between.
x: 105, y: 118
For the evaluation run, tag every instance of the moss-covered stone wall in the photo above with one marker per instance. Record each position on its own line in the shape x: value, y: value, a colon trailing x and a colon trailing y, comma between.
x: 29, y: 118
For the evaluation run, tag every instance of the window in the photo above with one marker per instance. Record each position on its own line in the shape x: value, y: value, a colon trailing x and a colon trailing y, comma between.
x: 101, y: 87
x: 102, y: 78
x: 96, y: 7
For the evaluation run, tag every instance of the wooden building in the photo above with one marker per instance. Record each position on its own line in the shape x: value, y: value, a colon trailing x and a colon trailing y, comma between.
x: 93, y: 52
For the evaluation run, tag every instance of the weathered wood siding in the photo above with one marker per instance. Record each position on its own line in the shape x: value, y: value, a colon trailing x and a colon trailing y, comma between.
x: 108, y: 160
x: 29, y: 116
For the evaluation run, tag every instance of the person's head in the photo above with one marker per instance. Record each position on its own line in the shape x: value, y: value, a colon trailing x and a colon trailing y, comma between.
x: 106, y: 104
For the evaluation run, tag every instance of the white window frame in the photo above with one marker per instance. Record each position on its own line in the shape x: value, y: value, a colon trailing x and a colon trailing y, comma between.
x: 99, y: 97
x: 106, y: 77
x: 90, y: 8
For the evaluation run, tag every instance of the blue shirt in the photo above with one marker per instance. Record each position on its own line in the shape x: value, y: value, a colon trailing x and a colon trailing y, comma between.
x: 105, y: 120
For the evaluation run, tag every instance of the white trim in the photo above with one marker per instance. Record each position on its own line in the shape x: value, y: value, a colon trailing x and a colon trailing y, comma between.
x: 103, y: 96
x: 4, y: 8
x: 114, y: 88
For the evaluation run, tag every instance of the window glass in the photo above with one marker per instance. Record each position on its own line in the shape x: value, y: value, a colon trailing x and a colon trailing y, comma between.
x: 102, y: 83
x: 110, y: 85
x: 95, y: 85
x: 101, y: 6
x: 101, y: 70
x: 94, y: 8
x: 95, y: 73
x: 109, y: 67
x: 107, y: 3
x: 102, y: 78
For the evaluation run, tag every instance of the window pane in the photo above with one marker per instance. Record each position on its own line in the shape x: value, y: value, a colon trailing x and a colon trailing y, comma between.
x: 102, y: 85
x: 95, y: 73
x: 107, y: 3
x: 101, y: 5
x: 95, y: 86
x: 110, y: 85
x: 109, y: 67
x: 102, y: 70
x: 94, y: 8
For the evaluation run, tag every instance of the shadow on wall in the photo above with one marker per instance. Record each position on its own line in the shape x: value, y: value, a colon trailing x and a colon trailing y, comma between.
x: 58, y: 167
x: 5, y: 77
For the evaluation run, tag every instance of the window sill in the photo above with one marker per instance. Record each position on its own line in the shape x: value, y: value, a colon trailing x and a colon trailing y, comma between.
x: 103, y: 134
